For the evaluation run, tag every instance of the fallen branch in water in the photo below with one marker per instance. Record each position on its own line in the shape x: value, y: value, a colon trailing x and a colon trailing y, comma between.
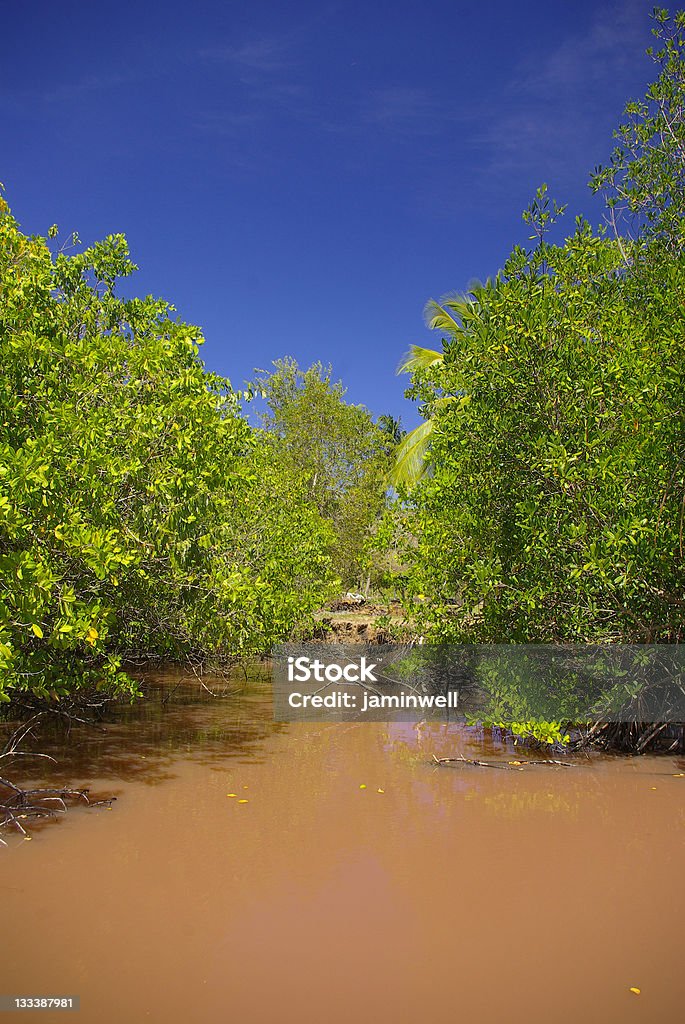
x: 23, y: 804
x: 17, y: 804
x: 510, y: 766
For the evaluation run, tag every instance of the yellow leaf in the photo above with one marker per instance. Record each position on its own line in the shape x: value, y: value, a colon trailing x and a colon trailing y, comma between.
x: 243, y: 801
x: 362, y: 786
x: 92, y: 636
x: 231, y: 794
x: 636, y: 991
x: 380, y: 791
x: 37, y: 630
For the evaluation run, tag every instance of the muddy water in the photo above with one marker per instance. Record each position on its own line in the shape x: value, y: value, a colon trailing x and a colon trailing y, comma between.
x: 432, y: 894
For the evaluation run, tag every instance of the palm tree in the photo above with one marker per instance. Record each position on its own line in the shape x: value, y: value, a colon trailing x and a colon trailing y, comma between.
x: 452, y: 317
x: 410, y: 464
x: 392, y: 430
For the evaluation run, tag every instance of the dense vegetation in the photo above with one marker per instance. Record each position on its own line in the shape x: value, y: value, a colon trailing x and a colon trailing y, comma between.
x: 541, y: 500
x: 551, y: 501
x: 334, y: 457
x: 140, y: 514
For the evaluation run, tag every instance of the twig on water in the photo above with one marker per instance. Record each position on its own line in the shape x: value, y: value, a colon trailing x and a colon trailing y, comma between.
x: 511, y: 766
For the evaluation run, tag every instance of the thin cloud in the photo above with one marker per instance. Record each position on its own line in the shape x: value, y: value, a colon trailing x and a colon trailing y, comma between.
x: 265, y: 56
x: 228, y: 123
x: 66, y: 92
x: 609, y: 46
x: 263, y: 77
x: 93, y: 84
x: 542, y: 116
x: 403, y: 109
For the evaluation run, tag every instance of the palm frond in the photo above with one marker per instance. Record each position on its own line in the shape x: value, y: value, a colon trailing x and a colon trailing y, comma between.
x: 419, y: 358
x: 439, y: 318
x: 410, y: 458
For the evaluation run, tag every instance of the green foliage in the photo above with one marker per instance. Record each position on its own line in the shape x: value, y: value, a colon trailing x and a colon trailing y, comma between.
x: 411, y: 463
x: 644, y: 183
x: 532, y: 732
x: 333, y: 455
x: 133, y: 494
x: 553, y: 510
x: 390, y: 545
x: 392, y: 431
x: 542, y: 214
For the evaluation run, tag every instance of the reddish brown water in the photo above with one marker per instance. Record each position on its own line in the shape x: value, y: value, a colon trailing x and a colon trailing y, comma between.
x: 455, y: 894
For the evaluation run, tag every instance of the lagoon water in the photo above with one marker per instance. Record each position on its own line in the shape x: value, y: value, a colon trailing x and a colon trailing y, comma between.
x: 348, y: 879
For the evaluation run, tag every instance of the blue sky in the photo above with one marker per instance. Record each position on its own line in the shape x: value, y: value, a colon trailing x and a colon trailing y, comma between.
x: 299, y: 179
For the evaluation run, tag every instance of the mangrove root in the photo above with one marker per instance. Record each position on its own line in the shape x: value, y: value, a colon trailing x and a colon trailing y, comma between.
x: 17, y: 805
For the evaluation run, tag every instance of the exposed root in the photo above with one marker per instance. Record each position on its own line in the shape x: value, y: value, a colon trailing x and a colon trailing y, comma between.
x: 17, y: 805
x: 635, y: 737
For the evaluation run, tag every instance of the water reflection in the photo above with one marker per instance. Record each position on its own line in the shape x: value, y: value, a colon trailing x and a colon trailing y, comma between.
x: 179, y: 717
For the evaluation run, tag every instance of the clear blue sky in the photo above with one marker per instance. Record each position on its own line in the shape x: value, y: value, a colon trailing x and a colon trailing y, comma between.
x: 299, y: 179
